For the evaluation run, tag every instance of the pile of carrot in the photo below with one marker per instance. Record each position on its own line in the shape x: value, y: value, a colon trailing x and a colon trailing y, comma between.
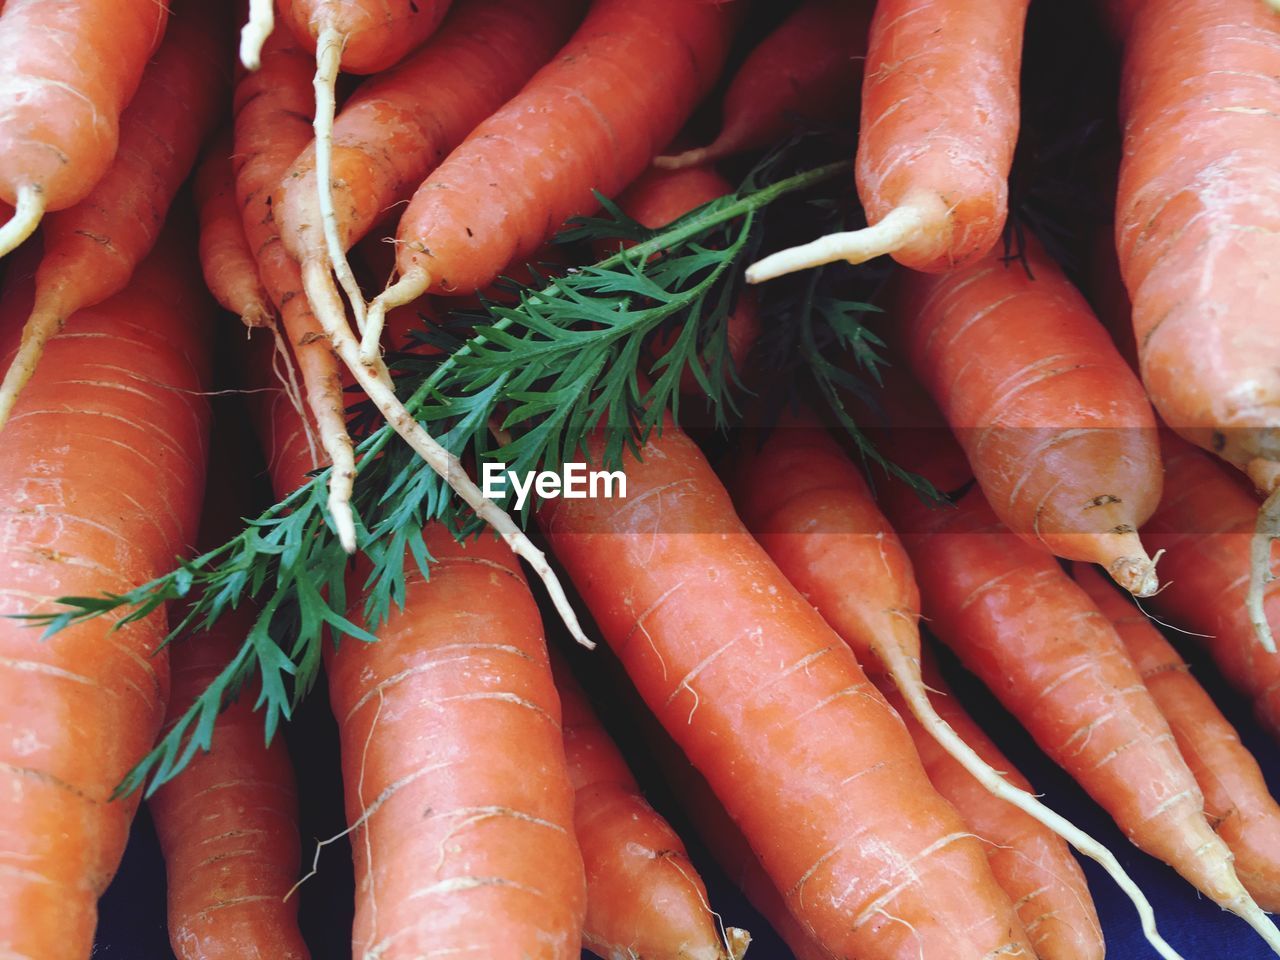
x: 1094, y: 435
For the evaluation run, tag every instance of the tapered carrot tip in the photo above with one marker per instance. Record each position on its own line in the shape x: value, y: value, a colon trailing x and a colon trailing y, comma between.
x: 1266, y: 474
x: 912, y: 224
x: 1137, y: 574
x: 25, y: 219
x: 737, y: 940
x: 257, y: 28
x: 690, y: 158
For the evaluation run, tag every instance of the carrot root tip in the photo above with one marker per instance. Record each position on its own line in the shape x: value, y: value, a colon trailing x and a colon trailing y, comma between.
x: 1265, y: 534
x: 1137, y: 574
x: 737, y: 940
x: 40, y: 327
x: 898, y: 228
x: 27, y: 213
x: 405, y: 290
x: 678, y: 161
x: 257, y: 28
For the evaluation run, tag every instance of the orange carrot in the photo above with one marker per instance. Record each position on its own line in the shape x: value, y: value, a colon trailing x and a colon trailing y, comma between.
x: 271, y: 107
x: 939, y: 122
x: 101, y: 479
x: 1055, y: 662
x: 657, y: 198
x: 1204, y: 523
x: 400, y: 124
x: 1198, y: 234
x: 618, y: 91
x: 644, y: 897
x: 1055, y: 425
x: 1031, y: 863
x: 809, y: 507
x: 92, y: 248
x: 757, y: 690
x: 1236, y: 799
x: 70, y: 70
x: 810, y: 67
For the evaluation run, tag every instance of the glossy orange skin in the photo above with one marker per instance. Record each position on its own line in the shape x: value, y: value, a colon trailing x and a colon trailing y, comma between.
x: 655, y: 199
x: 70, y: 68
x: 399, y: 125
x: 1054, y: 424
x: 91, y: 250
x: 940, y: 120
x: 228, y: 824
x: 1205, y: 523
x: 1236, y: 799
x: 760, y: 694
x: 644, y: 897
x: 102, y: 477
x: 1050, y: 656
x: 1198, y: 218
x: 376, y: 33
x: 591, y: 119
x: 809, y: 67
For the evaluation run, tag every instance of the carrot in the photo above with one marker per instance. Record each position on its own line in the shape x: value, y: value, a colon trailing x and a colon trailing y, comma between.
x: 644, y: 897
x: 657, y: 198
x: 457, y: 788
x: 70, y: 70
x: 810, y: 509
x: 92, y: 248
x: 101, y: 480
x: 1198, y: 233
x: 400, y: 124
x: 757, y: 690
x: 1030, y: 862
x: 939, y: 122
x: 1055, y: 662
x: 270, y: 131
x: 359, y: 36
x: 810, y: 67
x: 1204, y: 523
x: 227, y: 823
x: 1055, y: 425
x: 732, y: 852
x: 618, y: 90
x: 1236, y: 800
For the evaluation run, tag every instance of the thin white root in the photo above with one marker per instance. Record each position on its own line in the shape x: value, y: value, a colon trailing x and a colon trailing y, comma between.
x: 1253, y: 915
x: 898, y: 228
x: 26, y: 217
x: 262, y: 20
x: 40, y: 326
x: 375, y: 381
x: 1265, y: 534
x: 328, y: 59
x: 907, y: 679
x: 285, y: 372
x: 405, y: 290
x: 690, y: 158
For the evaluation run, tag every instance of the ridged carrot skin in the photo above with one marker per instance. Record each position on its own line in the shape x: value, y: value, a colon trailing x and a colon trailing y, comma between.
x: 657, y: 198
x: 1198, y: 221
x: 91, y: 249
x: 102, y: 478
x: 456, y: 781
x: 1205, y: 523
x: 228, y: 824
x: 1236, y: 799
x: 376, y: 34
x: 644, y: 896
x: 1033, y: 865
x: 809, y: 67
x: 1049, y: 655
x: 396, y: 127
x: 939, y: 122
x: 71, y: 67
x: 230, y: 271
x: 1056, y: 427
x: 808, y: 506
x: 757, y: 689
x: 592, y: 119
